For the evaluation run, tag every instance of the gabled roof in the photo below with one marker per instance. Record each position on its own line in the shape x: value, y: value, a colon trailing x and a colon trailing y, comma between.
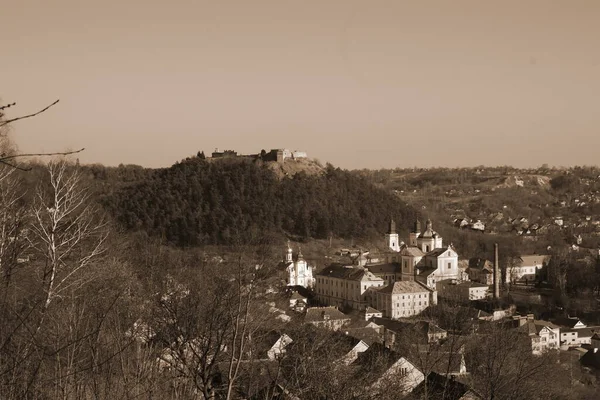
x: 377, y: 359
x: 412, y: 251
x: 317, y: 314
x: 439, y: 386
x: 426, y: 272
x: 263, y: 341
x: 348, y: 272
x: 591, y: 358
x: 367, y: 335
x: 534, y: 259
x: 481, y: 263
x: 569, y: 322
x: 439, y: 251
x: 401, y: 287
x: 534, y: 327
x: 297, y: 296
x: 371, y: 310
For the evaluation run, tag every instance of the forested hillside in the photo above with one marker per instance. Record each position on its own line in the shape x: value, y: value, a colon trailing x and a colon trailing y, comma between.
x: 198, y: 202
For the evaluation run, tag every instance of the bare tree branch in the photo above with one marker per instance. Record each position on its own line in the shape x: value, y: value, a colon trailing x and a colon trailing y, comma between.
x: 8, y: 121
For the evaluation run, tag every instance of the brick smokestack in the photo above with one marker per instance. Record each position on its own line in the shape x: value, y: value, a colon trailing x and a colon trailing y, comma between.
x: 497, y: 277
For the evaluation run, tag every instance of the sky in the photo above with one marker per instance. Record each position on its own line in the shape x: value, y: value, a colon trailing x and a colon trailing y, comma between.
x: 359, y: 84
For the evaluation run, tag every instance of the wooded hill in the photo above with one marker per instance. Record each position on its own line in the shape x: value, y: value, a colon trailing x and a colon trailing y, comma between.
x: 197, y: 202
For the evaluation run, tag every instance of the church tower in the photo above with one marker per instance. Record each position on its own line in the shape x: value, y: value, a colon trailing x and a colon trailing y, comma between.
x: 391, y: 237
x: 412, y: 239
x: 288, y: 255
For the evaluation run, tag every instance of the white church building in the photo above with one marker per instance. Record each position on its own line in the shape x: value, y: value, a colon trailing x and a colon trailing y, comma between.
x: 296, y: 270
x: 424, y: 258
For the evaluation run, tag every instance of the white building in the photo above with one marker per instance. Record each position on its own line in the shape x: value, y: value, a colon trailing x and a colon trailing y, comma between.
x: 462, y: 291
x: 297, y: 271
x: 544, y: 335
x: 527, y: 267
x: 402, y: 299
x: 342, y: 285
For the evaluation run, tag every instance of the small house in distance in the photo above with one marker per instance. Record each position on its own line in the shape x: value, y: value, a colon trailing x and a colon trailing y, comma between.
x: 326, y: 317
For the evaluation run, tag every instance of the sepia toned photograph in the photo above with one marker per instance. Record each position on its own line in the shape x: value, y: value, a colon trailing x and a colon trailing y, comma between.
x: 300, y: 200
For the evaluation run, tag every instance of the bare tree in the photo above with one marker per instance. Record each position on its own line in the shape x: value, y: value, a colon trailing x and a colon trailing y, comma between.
x: 66, y: 230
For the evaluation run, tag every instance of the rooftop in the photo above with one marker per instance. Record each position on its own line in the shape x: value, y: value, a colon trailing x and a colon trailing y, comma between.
x: 317, y: 314
x: 401, y: 287
x: 348, y: 272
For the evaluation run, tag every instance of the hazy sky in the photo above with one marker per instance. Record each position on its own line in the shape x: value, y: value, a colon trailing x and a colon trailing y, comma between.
x: 357, y: 83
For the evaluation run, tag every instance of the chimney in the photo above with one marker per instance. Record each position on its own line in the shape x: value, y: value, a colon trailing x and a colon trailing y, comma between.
x: 497, y: 277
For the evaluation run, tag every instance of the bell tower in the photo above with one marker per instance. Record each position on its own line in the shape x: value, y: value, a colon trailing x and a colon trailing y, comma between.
x: 288, y: 255
x: 391, y: 237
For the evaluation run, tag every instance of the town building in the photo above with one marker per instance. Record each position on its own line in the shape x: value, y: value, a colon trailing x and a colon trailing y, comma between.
x: 544, y: 335
x: 387, y: 370
x: 345, y: 286
x: 402, y: 299
x: 462, y: 291
x: 481, y: 270
x: 326, y: 317
x: 527, y: 268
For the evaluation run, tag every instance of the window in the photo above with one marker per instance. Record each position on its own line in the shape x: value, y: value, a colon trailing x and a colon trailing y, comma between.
x: 427, y: 249
x: 449, y: 265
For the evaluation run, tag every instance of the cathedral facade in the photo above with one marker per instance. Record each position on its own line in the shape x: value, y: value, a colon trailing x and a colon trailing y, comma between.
x: 296, y: 270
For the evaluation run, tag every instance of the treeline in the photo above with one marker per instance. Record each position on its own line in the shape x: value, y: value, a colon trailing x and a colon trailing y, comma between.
x: 198, y: 202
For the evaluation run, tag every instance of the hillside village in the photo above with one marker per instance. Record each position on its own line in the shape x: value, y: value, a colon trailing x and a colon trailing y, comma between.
x: 376, y: 299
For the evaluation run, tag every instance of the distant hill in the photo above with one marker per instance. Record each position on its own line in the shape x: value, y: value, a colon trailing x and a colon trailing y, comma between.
x: 198, y: 201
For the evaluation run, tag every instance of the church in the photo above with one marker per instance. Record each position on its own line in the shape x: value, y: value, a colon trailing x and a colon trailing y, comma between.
x: 424, y: 258
x: 297, y: 271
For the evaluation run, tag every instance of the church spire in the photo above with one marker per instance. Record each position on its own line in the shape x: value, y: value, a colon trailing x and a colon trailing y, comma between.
x: 288, y: 255
x: 417, y: 228
x: 392, y: 227
x: 429, y: 225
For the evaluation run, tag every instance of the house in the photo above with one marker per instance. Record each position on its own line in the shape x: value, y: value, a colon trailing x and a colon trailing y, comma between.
x: 461, y: 222
x: 344, y: 349
x: 296, y: 270
x: 388, y: 370
x: 267, y: 345
x: 463, y: 268
x: 481, y: 270
x: 370, y: 312
x: 402, y: 299
x: 326, y: 317
x: 478, y: 226
x: 544, y: 335
x: 574, y: 332
x: 440, y: 386
x: 462, y: 291
x: 345, y: 286
x: 418, y: 332
x: 527, y: 267
x: 591, y: 359
x: 297, y: 302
